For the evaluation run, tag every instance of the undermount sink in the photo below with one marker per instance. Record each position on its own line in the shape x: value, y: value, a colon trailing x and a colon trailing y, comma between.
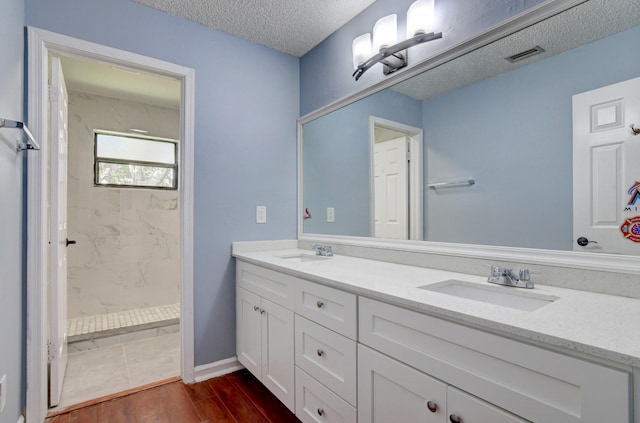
x: 301, y: 257
x: 519, y: 300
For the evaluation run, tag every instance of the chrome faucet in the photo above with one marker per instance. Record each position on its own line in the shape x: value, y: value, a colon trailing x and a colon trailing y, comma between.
x: 503, y: 276
x: 323, y: 250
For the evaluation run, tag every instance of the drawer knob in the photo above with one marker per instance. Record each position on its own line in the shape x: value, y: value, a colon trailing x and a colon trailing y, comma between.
x: 320, y: 412
x: 432, y: 406
x: 455, y: 419
x: 320, y: 353
x: 320, y: 304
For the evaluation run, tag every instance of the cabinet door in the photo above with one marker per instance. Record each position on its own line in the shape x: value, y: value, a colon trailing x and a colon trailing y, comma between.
x: 465, y: 408
x: 389, y: 391
x: 277, y: 352
x: 248, y: 332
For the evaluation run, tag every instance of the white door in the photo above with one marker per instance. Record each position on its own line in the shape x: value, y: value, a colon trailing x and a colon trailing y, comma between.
x: 389, y: 391
x: 249, y: 331
x: 391, y: 189
x: 606, y: 172
x: 278, y: 373
x: 58, y: 226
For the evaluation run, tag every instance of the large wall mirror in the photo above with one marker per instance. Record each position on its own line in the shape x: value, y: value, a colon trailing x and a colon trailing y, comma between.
x: 480, y: 150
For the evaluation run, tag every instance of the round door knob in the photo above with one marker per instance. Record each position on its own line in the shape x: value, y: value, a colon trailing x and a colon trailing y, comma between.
x: 70, y: 242
x: 583, y: 242
x: 455, y: 419
x: 320, y: 353
x: 320, y: 412
x: 320, y: 304
x: 432, y: 406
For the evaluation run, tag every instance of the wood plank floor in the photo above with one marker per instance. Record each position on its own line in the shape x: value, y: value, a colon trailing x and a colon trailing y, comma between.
x: 235, y: 398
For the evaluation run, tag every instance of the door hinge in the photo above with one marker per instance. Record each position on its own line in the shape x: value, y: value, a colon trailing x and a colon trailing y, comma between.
x: 408, y: 151
x: 51, y: 351
x: 53, y: 94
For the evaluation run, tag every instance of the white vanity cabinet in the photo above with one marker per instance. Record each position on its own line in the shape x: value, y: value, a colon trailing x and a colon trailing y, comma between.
x: 265, y: 329
x: 534, y: 383
x: 335, y: 357
x: 391, y: 391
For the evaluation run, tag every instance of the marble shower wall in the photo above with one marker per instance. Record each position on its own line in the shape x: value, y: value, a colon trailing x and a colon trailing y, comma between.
x: 127, y: 252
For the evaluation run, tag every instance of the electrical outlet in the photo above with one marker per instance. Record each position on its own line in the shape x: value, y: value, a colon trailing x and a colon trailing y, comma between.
x: 3, y: 392
x: 331, y: 214
x: 261, y: 214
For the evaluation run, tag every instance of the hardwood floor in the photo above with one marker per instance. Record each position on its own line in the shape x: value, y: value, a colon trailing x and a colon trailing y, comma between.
x: 235, y: 398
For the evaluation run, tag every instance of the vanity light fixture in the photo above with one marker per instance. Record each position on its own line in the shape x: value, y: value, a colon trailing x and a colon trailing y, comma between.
x: 388, y: 51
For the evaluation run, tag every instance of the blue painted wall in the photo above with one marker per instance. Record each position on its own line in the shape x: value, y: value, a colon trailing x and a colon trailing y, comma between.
x: 247, y: 102
x: 513, y: 133
x: 12, y: 349
x: 336, y: 162
x: 325, y: 72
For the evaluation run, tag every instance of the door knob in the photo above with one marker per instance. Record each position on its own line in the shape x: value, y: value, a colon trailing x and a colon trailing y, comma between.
x: 69, y: 242
x: 583, y: 242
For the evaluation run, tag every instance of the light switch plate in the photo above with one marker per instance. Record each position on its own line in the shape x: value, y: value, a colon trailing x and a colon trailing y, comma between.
x: 3, y: 392
x: 331, y: 214
x: 261, y: 214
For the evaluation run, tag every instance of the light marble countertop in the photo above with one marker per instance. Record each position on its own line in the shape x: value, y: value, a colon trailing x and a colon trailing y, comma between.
x: 598, y: 325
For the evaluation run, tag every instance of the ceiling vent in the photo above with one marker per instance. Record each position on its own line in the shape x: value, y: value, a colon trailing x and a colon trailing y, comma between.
x: 525, y: 54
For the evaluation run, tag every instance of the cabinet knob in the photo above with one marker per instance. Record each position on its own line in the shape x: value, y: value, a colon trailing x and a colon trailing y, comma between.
x: 320, y: 353
x: 432, y: 406
x: 455, y: 419
x: 320, y: 304
x: 256, y: 308
x: 320, y: 412
x: 262, y: 311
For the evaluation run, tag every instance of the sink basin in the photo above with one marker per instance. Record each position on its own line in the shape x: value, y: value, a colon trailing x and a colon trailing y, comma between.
x: 301, y: 258
x: 502, y: 296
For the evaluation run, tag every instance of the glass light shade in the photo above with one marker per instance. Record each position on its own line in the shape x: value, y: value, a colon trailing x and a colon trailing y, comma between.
x: 385, y: 32
x: 420, y: 18
x: 361, y: 49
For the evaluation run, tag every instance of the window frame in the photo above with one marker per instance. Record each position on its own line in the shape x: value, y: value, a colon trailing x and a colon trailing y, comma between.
x: 97, y: 160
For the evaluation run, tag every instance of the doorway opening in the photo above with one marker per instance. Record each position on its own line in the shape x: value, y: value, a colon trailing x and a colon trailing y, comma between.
x: 396, y: 180
x: 113, y: 223
x: 121, y: 229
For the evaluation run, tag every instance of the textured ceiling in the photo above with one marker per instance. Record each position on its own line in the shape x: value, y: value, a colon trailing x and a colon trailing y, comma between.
x: 585, y: 23
x: 290, y: 26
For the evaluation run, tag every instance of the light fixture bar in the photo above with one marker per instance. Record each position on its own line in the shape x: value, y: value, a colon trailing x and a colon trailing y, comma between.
x: 399, y: 59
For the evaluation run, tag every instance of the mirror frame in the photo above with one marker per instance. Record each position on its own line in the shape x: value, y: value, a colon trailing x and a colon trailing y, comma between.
x: 571, y: 259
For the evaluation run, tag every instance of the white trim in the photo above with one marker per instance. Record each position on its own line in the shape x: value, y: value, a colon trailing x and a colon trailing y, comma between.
x: 579, y: 260
x: 415, y: 173
x: 219, y: 368
x: 40, y: 44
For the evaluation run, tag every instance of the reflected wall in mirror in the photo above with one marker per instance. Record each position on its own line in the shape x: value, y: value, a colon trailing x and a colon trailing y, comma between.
x: 507, y: 126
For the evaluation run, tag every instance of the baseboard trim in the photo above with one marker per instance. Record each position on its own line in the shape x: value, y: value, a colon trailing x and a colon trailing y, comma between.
x: 218, y: 368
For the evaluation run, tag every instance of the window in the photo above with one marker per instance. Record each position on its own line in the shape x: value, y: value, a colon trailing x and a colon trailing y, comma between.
x: 131, y: 161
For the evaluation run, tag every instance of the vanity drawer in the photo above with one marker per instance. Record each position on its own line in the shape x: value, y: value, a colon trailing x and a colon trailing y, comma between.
x: 274, y: 286
x: 532, y: 382
x: 317, y: 404
x: 327, y: 356
x: 327, y: 306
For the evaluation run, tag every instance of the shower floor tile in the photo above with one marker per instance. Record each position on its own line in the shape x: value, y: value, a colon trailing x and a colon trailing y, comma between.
x: 105, y: 371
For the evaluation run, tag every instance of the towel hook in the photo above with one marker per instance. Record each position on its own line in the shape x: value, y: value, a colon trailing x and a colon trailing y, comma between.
x: 636, y: 131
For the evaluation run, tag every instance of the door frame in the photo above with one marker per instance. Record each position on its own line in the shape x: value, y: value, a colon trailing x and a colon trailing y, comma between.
x: 415, y: 136
x: 40, y: 44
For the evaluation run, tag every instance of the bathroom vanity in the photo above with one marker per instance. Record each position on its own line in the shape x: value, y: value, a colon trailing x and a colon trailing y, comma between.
x: 345, y: 339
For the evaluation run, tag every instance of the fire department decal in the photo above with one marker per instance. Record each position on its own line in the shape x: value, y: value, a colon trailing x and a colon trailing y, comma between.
x: 631, y: 229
